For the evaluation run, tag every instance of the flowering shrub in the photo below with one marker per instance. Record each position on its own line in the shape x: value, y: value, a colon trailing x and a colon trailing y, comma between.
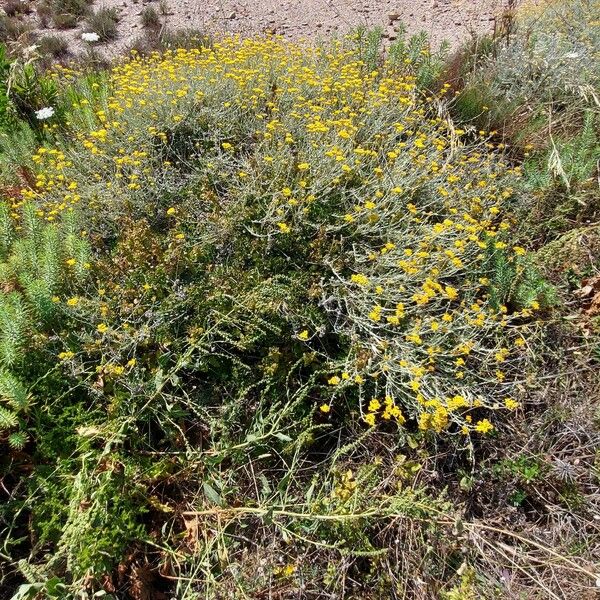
x: 315, y: 161
x: 283, y: 239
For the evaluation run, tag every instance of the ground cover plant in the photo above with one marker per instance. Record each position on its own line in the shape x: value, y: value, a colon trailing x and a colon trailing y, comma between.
x: 537, y: 81
x: 268, y: 327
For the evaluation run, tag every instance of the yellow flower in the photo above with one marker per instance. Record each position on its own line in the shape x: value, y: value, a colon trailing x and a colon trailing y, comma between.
x: 370, y: 419
x: 303, y: 335
x: 284, y: 227
x: 451, y: 292
x: 71, y: 262
x: 484, y: 426
x: 375, y: 314
x: 303, y: 166
x: 171, y: 211
x: 66, y: 355
x: 334, y: 380
x: 359, y: 279
x: 374, y: 405
x: 324, y: 408
x: 102, y: 328
x: 73, y: 301
x: 131, y: 362
x: 511, y: 403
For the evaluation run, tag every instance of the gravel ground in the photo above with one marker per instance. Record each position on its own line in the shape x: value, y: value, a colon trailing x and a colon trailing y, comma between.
x: 451, y: 20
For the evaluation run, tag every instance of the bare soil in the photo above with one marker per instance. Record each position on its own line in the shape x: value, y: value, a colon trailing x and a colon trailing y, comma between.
x: 451, y: 20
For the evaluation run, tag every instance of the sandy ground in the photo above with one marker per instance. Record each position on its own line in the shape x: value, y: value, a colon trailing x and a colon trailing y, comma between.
x: 451, y: 20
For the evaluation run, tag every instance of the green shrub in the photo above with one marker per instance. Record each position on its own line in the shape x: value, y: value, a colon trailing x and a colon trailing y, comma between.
x: 150, y: 18
x: 16, y: 7
x: 266, y: 287
x: 104, y: 22
x: 5, y: 117
x: 13, y: 29
x: 55, y: 46
x: 30, y: 92
x: 65, y: 14
x: 184, y: 38
x: 32, y: 273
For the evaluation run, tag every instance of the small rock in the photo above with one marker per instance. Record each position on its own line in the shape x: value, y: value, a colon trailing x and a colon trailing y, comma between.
x: 393, y: 17
x: 232, y: 15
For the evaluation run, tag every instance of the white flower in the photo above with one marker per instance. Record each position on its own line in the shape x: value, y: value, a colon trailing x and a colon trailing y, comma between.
x: 572, y: 55
x: 44, y: 113
x: 90, y: 37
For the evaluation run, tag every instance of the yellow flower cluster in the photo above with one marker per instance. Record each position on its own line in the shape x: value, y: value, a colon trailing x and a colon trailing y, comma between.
x: 340, y: 153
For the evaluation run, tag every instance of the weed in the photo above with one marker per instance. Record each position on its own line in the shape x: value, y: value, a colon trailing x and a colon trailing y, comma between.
x: 163, y: 7
x: 65, y: 14
x: 261, y: 303
x: 150, y: 18
x: 12, y: 8
x: 104, y: 22
x: 55, y: 46
x: 13, y: 29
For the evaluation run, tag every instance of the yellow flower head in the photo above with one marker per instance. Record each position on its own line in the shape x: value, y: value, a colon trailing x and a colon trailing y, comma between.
x: 370, y: 419
x: 484, y: 426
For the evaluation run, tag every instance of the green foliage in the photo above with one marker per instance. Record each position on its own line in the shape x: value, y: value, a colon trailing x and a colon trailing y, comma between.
x: 415, y: 56
x: 368, y: 42
x: 525, y: 469
x: 30, y: 92
x: 14, y: 394
x: 518, y: 283
x: 5, y: 119
x: 13, y: 324
x: 14, y: 29
x: 33, y: 270
x: 150, y: 18
x: 104, y: 22
x: 55, y: 46
x: 278, y: 239
x: 66, y: 13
